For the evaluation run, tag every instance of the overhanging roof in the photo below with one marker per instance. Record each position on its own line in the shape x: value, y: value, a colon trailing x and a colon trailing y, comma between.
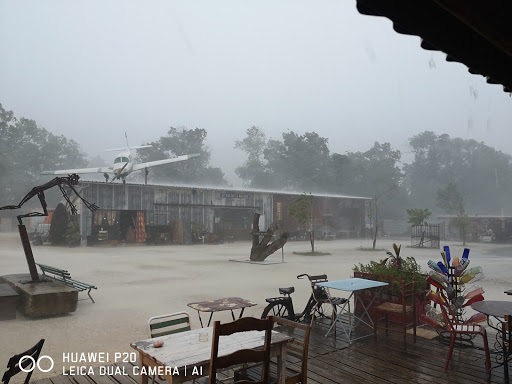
x: 473, y: 32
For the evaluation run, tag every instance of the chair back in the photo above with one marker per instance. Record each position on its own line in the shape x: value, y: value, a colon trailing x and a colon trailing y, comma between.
x: 297, y: 349
x: 319, y: 293
x: 449, y: 317
x: 167, y: 324
x: 14, y: 366
x: 245, y: 355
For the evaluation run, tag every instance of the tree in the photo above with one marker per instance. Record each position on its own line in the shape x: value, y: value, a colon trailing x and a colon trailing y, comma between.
x: 302, y: 209
x: 440, y: 160
x: 376, y: 172
x: 253, y: 172
x: 26, y: 150
x: 418, y: 216
x: 183, y: 141
x: 451, y: 201
x: 60, y: 221
x: 298, y: 162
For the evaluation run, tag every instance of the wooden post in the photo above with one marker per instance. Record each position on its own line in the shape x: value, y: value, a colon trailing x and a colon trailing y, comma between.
x: 28, y: 252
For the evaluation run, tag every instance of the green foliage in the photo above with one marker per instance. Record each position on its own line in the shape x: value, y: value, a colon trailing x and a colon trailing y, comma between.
x: 253, y: 172
x: 451, y: 201
x: 177, y: 142
x: 440, y: 159
x: 418, y: 216
x: 25, y: 151
x: 73, y: 236
x: 395, y: 259
x: 395, y: 266
x: 302, y: 209
x: 311, y: 253
x: 60, y: 220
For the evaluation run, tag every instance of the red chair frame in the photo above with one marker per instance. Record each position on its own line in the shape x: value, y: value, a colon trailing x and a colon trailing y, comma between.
x: 455, y: 327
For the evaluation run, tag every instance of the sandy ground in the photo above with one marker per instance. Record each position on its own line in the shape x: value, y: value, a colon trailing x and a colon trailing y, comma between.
x: 135, y: 283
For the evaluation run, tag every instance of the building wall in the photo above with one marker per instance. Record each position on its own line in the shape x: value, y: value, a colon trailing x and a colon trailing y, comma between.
x: 214, y: 210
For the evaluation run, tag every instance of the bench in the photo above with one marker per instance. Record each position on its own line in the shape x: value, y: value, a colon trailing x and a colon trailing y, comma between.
x: 65, y: 277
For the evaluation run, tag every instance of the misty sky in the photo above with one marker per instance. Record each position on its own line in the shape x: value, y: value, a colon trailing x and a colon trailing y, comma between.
x: 92, y: 70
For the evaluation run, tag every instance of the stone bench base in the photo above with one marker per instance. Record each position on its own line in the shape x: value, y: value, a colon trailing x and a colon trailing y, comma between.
x: 46, y: 298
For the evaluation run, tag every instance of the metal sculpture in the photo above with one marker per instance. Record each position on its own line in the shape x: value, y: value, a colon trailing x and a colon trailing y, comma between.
x: 70, y: 181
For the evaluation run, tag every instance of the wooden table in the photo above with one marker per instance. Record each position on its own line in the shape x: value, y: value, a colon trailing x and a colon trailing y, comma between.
x: 502, y: 312
x: 187, y: 358
x: 219, y: 305
x: 352, y: 285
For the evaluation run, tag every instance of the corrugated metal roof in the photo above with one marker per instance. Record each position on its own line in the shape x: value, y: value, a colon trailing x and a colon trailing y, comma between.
x: 227, y: 189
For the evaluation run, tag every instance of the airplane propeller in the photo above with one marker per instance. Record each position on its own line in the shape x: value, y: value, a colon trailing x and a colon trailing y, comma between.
x: 117, y: 175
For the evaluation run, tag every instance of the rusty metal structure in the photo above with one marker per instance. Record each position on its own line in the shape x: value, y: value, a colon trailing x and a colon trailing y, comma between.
x: 69, y: 181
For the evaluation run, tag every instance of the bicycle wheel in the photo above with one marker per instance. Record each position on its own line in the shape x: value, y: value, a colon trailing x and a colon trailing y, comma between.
x: 276, y: 309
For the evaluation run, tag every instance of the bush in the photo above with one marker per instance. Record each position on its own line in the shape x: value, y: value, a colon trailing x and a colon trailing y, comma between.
x: 60, y: 220
x: 396, y: 266
x: 73, y: 236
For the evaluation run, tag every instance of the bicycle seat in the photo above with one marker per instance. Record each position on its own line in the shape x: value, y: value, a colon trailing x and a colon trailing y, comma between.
x: 286, y: 291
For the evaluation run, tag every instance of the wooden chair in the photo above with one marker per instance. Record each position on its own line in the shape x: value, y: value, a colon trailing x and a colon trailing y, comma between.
x: 167, y: 324
x: 452, y: 325
x: 405, y: 308
x: 321, y: 296
x: 243, y: 356
x: 298, y: 350
x: 14, y: 366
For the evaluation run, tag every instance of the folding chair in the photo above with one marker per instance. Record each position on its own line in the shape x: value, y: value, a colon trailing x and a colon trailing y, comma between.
x: 243, y: 356
x: 321, y: 296
x: 168, y: 324
x: 14, y: 366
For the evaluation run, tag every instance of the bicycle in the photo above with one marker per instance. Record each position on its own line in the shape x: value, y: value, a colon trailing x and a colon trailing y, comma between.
x: 318, y: 304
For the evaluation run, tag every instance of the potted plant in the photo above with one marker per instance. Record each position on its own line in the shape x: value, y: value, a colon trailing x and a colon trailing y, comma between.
x: 389, y: 270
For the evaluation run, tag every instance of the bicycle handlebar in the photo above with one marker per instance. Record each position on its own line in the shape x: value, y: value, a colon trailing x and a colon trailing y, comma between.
x: 301, y: 276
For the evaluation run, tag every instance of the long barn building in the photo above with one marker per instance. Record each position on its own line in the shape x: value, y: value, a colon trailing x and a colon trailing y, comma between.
x: 184, y: 214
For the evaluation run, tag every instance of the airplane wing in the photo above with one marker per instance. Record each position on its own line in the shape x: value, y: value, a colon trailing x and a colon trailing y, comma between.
x: 137, y: 167
x: 79, y: 170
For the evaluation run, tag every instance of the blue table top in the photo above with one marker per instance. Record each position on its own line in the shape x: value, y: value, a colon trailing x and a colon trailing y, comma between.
x: 354, y: 284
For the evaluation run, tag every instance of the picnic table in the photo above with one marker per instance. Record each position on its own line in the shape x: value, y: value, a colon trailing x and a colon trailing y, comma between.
x: 185, y: 356
x: 219, y: 305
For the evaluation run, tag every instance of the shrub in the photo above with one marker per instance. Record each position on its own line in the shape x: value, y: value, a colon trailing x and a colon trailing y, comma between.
x: 60, y: 220
x: 73, y: 236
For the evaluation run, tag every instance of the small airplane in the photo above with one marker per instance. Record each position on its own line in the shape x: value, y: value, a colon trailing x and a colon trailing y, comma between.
x: 123, y: 164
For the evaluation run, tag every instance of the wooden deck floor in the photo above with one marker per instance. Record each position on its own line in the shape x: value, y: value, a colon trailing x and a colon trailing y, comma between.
x: 332, y: 360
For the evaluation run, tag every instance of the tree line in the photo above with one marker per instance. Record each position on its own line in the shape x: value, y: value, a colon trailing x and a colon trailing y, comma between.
x: 481, y: 175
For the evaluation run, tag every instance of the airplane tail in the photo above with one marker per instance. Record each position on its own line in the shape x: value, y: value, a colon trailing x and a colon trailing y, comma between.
x: 128, y: 146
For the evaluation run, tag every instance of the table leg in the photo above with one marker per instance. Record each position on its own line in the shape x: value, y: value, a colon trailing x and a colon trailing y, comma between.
x: 241, y: 313
x: 143, y: 379
x: 209, y: 320
x: 365, y: 310
x: 338, y: 316
x: 200, y: 320
x: 281, y: 364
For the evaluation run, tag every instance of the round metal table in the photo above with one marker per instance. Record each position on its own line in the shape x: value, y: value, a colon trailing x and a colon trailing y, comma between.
x: 498, y: 310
